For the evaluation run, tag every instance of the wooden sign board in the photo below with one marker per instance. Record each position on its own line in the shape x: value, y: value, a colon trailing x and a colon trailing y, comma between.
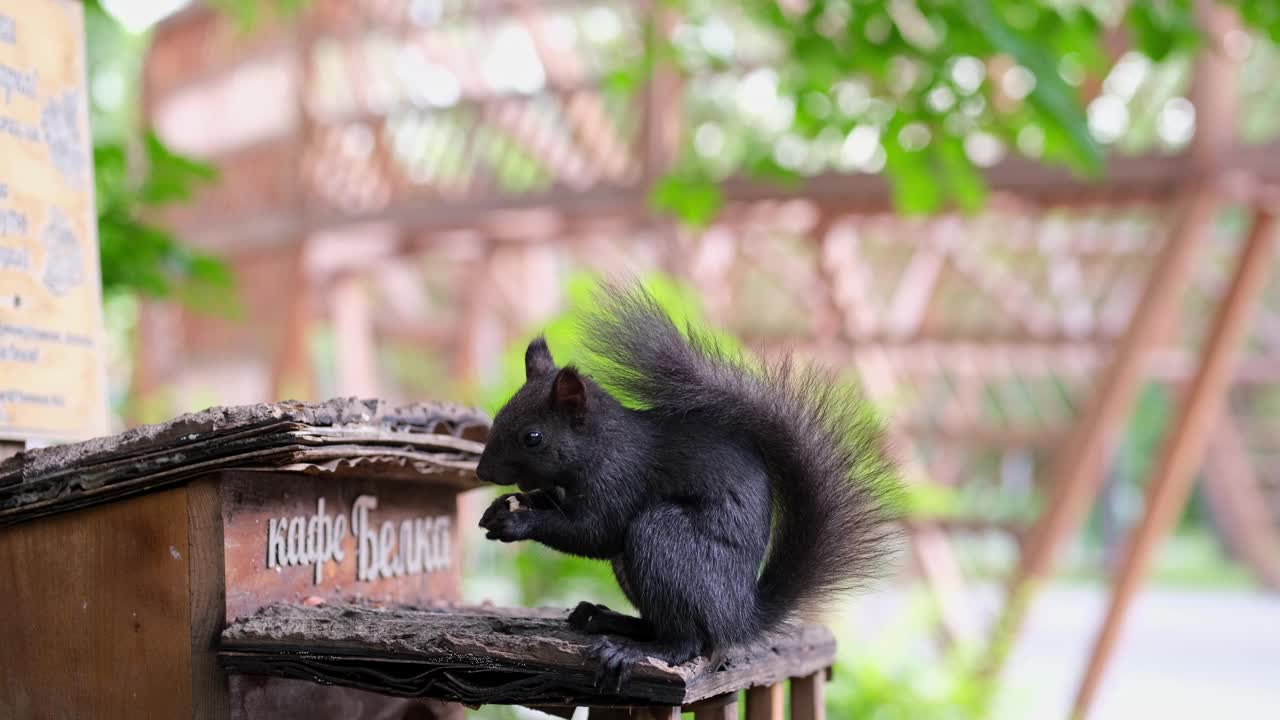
x: 307, y: 539
x: 52, y: 383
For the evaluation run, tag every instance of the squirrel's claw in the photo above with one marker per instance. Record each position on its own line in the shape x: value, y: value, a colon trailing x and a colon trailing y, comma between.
x: 614, y: 663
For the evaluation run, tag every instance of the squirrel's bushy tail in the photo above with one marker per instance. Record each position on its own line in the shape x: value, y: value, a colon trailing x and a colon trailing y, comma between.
x: 832, y: 484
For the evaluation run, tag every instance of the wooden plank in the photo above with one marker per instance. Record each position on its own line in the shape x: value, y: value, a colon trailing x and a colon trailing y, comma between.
x: 634, y: 713
x: 766, y: 702
x: 1183, y: 448
x: 208, y: 598
x: 1075, y: 477
x: 490, y: 656
x: 339, y: 438
x: 808, y: 697
x: 98, y: 613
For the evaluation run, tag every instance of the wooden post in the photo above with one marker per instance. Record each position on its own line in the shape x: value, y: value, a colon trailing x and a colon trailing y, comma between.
x: 1183, y: 449
x: 808, y: 697
x: 291, y: 374
x: 765, y: 703
x: 354, y: 338
x: 1076, y: 475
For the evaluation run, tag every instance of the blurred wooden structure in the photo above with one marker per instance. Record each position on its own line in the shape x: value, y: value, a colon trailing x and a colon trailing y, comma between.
x: 383, y: 162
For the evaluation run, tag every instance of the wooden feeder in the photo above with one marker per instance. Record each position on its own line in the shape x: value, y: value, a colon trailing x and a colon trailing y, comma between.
x: 127, y: 556
x: 300, y: 561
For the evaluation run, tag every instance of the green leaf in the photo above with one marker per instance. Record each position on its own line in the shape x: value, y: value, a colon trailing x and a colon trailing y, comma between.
x: 694, y: 200
x: 171, y: 177
x: 1051, y: 94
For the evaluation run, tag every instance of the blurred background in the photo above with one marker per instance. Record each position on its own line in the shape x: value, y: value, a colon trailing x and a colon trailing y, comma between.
x: 1034, y: 232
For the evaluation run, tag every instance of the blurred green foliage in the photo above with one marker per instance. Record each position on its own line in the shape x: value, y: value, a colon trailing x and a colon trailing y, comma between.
x: 140, y: 256
x: 921, y: 79
x: 249, y: 13
x: 136, y: 174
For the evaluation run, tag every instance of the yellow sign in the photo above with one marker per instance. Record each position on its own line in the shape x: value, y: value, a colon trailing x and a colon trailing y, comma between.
x: 52, y: 382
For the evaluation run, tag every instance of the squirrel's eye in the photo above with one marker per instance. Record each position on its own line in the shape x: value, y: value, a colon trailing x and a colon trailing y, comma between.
x: 532, y: 439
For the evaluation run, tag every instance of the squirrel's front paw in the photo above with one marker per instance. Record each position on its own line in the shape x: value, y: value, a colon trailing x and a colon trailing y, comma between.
x: 506, y: 520
x: 582, y: 618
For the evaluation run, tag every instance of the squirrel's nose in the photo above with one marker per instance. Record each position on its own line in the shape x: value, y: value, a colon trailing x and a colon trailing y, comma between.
x: 484, y: 470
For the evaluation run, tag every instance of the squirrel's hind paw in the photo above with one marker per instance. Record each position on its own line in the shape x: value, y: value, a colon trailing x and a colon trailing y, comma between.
x: 615, y: 661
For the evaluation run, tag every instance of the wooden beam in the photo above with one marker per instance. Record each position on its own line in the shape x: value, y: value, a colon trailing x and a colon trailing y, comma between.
x: 1183, y: 448
x: 1075, y: 476
x: 1240, y: 508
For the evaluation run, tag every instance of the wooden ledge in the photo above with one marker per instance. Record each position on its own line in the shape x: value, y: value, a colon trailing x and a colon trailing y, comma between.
x: 481, y: 656
x: 343, y: 437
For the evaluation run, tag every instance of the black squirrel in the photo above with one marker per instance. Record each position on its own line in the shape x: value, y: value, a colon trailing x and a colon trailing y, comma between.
x: 716, y: 466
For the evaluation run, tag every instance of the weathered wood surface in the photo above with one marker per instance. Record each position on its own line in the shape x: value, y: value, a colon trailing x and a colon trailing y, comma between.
x: 94, y: 621
x: 343, y: 437
x: 490, y: 656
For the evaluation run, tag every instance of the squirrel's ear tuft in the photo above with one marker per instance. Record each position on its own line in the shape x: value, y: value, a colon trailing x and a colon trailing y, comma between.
x: 537, y: 359
x: 569, y: 392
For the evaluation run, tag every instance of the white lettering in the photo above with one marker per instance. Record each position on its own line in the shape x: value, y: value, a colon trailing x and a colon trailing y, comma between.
x: 293, y: 545
x: 409, y: 548
x: 443, y: 554
x: 422, y: 541
x: 387, y: 559
x: 275, y: 542
x: 366, y: 538
x: 387, y: 550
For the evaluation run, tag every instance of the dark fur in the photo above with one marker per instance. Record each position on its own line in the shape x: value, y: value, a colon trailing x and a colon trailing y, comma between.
x: 718, y: 466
